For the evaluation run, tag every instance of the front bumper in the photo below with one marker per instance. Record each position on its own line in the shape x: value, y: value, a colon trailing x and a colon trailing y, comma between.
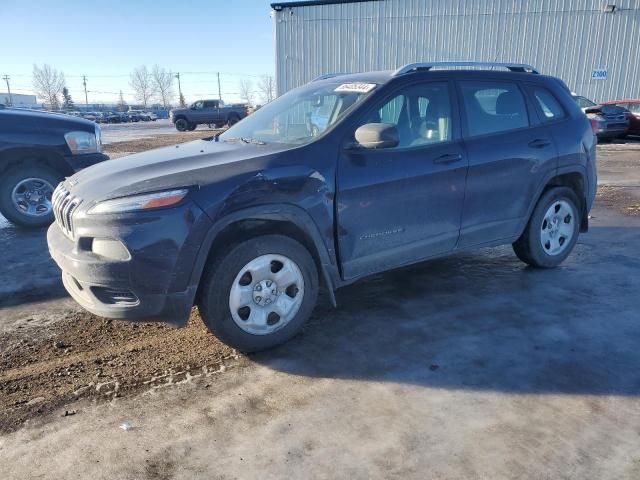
x: 153, y: 284
x: 78, y: 162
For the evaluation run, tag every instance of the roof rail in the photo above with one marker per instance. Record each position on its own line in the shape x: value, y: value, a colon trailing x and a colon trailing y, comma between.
x: 412, y: 67
x: 328, y: 75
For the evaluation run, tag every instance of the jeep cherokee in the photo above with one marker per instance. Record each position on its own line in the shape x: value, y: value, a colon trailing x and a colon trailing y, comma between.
x: 249, y: 224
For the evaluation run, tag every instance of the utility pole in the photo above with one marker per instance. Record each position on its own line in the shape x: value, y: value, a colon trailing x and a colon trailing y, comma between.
x: 179, y: 88
x: 84, y: 82
x: 6, y: 79
x: 219, y: 91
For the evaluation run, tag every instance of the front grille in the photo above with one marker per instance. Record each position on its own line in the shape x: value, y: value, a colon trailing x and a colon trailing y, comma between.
x: 618, y: 117
x: 64, y: 204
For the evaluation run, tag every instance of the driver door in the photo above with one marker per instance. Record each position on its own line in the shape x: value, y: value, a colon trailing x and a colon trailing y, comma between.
x: 399, y: 205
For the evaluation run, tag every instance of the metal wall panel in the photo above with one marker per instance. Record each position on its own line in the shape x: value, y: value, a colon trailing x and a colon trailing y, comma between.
x: 564, y: 38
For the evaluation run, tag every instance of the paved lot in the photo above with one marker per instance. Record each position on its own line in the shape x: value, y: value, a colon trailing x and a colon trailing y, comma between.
x: 473, y: 366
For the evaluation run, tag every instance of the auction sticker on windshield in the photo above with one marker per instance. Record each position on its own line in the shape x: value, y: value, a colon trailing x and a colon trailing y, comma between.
x: 356, y: 87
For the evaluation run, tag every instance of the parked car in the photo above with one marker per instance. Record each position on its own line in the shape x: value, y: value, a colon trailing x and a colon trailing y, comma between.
x: 141, y: 115
x: 608, y: 121
x: 210, y: 112
x: 413, y: 164
x: 132, y: 116
x: 633, y: 107
x: 152, y: 116
x: 91, y: 116
x: 112, y: 117
x: 37, y: 150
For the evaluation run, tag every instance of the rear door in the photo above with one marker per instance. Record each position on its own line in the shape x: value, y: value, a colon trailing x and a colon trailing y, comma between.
x: 400, y: 205
x: 510, y: 152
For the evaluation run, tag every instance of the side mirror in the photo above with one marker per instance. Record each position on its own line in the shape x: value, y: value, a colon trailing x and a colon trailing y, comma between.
x: 377, y: 135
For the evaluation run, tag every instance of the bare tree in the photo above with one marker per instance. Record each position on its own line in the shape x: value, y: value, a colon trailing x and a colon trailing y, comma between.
x: 163, y: 84
x: 48, y: 84
x: 246, y: 91
x: 267, y: 88
x: 141, y: 82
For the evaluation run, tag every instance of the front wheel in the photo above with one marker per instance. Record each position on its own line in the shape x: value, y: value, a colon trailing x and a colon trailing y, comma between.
x: 25, y: 195
x: 192, y: 126
x: 552, y: 231
x: 260, y: 293
x: 182, y: 125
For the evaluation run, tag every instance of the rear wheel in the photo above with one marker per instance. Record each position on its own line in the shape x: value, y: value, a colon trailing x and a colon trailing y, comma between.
x: 552, y: 231
x: 25, y: 195
x: 233, y: 119
x: 260, y: 293
x: 182, y: 125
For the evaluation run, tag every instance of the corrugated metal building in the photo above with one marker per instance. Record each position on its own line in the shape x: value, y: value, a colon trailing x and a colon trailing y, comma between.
x: 592, y: 45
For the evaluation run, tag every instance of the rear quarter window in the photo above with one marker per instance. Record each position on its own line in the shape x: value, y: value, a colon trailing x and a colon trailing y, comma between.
x: 549, y: 105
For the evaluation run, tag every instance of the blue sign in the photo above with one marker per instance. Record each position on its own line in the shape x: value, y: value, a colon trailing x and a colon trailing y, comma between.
x: 599, y: 74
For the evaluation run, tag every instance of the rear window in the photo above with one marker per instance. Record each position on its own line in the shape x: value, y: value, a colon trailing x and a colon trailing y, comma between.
x: 549, y: 105
x: 493, y: 107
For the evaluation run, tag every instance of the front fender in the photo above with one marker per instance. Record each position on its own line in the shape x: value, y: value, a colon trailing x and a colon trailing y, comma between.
x: 277, y: 212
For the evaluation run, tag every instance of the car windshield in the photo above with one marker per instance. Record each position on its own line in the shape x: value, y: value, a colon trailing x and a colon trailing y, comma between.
x: 301, y: 115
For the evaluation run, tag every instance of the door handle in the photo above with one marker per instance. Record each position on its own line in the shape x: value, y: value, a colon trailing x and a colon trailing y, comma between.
x: 448, y: 158
x: 539, y: 143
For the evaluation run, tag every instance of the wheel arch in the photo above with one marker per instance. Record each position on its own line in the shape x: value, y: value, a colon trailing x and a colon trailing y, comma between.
x: 574, y: 177
x: 34, y: 156
x: 288, y: 220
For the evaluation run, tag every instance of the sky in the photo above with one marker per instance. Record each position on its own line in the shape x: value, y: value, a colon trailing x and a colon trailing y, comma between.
x: 105, y: 40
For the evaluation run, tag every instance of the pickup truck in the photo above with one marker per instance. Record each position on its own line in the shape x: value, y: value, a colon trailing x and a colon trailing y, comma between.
x: 37, y: 151
x: 210, y: 112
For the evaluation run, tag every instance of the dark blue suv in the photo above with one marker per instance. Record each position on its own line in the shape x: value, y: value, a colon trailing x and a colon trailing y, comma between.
x: 407, y: 165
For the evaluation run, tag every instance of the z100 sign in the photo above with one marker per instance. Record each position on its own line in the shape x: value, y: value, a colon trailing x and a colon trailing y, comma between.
x: 599, y: 74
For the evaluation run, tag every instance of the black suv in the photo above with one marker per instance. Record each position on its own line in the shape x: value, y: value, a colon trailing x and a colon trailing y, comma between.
x: 408, y: 165
x: 37, y: 150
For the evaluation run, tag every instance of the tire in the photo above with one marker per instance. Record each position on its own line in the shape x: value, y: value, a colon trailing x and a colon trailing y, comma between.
x: 23, y: 180
x: 224, y: 279
x: 233, y: 119
x: 192, y: 127
x: 541, y: 244
x: 182, y: 125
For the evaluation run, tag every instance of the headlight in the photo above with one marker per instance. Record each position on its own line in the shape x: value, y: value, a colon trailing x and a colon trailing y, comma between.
x: 82, y: 142
x: 139, y: 202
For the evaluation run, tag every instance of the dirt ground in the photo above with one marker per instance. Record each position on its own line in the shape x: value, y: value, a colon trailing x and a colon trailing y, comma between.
x: 48, y: 367
x: 117, y: 149
x: 82, y: 356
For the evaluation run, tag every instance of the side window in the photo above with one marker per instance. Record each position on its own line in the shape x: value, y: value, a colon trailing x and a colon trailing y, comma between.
x: 390, y: 113
x: 210, y: 104
x: 551, y: 108
x: 634, y: 108
x: 198, y: 105
x: 421, y: 113
x: 493, y: 107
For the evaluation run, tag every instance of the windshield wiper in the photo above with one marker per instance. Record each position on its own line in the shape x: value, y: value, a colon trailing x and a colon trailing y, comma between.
x: 245, y: 140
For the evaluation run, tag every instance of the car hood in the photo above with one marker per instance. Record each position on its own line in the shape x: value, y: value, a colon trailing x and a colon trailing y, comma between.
x: 192, y: 164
